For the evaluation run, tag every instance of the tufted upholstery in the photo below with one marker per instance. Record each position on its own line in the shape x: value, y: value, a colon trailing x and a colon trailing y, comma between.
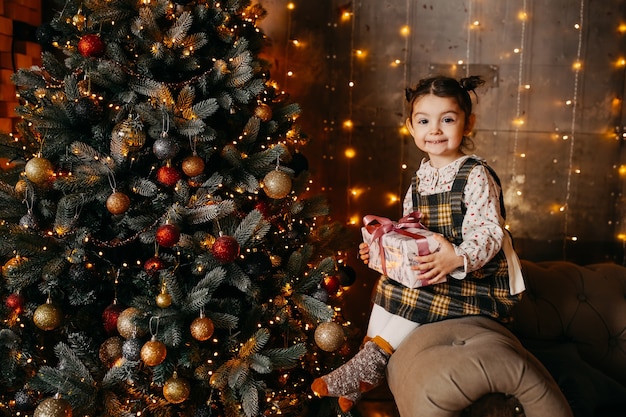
x: 572, y: 317
x: 583, y: 306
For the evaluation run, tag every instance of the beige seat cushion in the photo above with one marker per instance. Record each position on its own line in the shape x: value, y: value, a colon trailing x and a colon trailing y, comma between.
x: 443, y: 367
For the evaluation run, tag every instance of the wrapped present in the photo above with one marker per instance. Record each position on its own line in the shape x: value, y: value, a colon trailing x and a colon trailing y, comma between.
x: 394, y: 246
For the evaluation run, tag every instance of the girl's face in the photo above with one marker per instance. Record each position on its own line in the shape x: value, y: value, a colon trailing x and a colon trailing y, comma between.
x: 438, y: 125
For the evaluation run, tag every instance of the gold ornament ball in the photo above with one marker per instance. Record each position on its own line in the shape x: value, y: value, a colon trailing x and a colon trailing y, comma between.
x: 12, y: 264
x: 38, y: 170
x: 263, y: 112
x: 202, y: 328
x: 111, y: 350
x: 176, y: 390
x: 118, y: 203
x: 20, y: 187
x: 48, y: 316
x: 164, y: 300
x: 277, y: 184
x: 329, y: 336
x: 193, y: 166
x: 153, y: 352
x: 127, y: 323
x: 53, y: 407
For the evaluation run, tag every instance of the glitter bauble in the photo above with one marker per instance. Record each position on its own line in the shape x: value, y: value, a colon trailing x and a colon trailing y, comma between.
x: 91, y: 46
x: 202, y: 328
x: 38, y: 170
x: 167, y: 235
x: 28, y: 221
x: 225, y: 249
x: 88, y: 111
x: 153, y: 352
x: 164, y: 300
x: 129, y: 133
x: 193, y: 166
x: 24, y: 399
x: 165, y: 148
x: 110, y: 316
x: 12, y: 264
x: 331, y: 284
x: 118, y: 203
x: 277, y: 184
x: 110, y: 351
x: 131, y: 349
x: 176, y: 390
x: 167, y: 175
x: 48, y: 316
x: 329, y: 336
x: 320, y: 294
x: 153, y: 265
x: 127, y: 323
x: 15, y: 302
x: 53, y: 407
x: 263, y: 112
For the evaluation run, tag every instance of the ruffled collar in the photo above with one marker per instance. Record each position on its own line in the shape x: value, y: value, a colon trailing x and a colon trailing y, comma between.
x: 430, y: 176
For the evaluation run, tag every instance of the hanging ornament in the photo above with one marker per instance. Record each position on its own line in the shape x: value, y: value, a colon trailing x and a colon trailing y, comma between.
x: 167, y: 235
x: 329, y: 336
x: 88, y: 111
x: 225, y: 249
x: 91, y: 46
x: 165, y: 147
x: 131, y: 349
x: 331, y: 284
x: 168, y: 175
x: 25, y: 399
x: 53, y: 407
x: 110, y: 316
x: 202, y: 328
x: 277, y: 184
x: 15, y: 302
x: 110, y: 351
x: 12, y: 264
x: 263, y: 112
x: 320, y: 294
x: 263, y: 208
x: 193, y: 166
x: 118, y: 203
x: 176, y: 390
x: 164, y: 299
x: 48, y: 316
x: 130, y: 133
x: 28, y: 221
x: 153, y: 352
x: 38, y: 170
x: 127, y: 323
x: 153, y: 265
x: 79, y: 19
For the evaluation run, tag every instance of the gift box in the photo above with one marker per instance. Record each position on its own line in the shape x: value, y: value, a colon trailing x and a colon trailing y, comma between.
x: 394, y: 245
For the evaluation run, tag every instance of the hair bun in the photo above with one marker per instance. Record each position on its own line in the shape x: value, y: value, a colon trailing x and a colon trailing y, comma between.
x: 471, y: 83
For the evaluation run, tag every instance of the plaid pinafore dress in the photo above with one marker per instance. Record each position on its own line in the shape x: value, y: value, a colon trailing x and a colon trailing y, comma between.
x: 482, y: 292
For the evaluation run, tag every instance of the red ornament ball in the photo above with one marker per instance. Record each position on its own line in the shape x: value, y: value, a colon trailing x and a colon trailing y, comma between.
x: 167, y: 235
x: 110, y: 316
x: 153, y: 265
x: 15, y: 302
x: 168, y: 176
x: 225, y: 249
x: 91, y: 46
x: 331, y: 284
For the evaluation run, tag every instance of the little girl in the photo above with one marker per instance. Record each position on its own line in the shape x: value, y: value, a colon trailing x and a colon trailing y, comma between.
x: 474, y: 272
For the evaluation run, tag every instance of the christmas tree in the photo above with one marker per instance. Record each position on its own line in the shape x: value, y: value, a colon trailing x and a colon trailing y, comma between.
x: 162, y: 252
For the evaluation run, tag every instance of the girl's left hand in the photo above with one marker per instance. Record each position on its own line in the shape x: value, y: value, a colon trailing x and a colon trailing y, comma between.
x: 436, y: 266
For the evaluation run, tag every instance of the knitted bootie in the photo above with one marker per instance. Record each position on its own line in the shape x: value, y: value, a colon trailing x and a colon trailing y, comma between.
x: 363, y: 372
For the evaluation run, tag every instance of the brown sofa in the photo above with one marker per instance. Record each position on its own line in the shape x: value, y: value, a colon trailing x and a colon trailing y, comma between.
x: 564, y: 354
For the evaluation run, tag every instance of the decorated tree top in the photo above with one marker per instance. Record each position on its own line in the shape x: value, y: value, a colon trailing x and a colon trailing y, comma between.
x: 162, y: 254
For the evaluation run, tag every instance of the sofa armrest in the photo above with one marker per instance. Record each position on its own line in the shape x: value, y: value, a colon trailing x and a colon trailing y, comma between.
x: 444, y: 367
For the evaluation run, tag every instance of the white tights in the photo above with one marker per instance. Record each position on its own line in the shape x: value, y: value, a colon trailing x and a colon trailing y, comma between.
x: 394, y: 329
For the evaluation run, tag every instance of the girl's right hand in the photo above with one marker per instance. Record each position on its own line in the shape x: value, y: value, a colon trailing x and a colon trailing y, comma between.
x: 364, y: 252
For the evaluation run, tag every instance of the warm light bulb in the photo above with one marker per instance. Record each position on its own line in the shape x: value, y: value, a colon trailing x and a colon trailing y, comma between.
x: 577, y: 65
x: 347, y: 124
x: 350, y: 153
x: 405, y: 30
x: 621, y: 28
x: 522, y: 15
x: 291, y: 6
